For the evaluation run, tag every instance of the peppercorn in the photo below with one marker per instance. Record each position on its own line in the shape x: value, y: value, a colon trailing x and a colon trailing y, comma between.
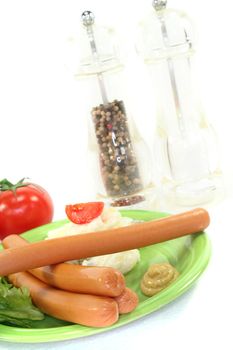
x: 117, y: 155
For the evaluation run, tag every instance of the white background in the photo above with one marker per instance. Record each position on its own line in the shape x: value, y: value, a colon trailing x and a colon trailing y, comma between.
x: 43, y: 136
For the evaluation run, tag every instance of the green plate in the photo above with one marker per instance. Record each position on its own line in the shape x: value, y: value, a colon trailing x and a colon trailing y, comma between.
x: 190, y: 255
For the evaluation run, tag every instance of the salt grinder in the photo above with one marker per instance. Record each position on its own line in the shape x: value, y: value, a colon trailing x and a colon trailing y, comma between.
x: 119, y: 157
x: 186, y: 153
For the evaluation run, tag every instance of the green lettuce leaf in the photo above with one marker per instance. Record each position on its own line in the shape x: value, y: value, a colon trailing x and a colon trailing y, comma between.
x: 16, y: 306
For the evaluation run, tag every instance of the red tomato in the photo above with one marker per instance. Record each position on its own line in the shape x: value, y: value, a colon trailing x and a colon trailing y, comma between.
x: 82, y: 213
x: 23, y: 207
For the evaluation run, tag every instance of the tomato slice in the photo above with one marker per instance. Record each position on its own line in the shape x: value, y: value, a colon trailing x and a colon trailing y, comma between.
x: 83, y: 213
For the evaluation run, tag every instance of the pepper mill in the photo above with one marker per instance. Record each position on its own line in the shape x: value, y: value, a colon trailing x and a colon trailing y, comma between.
x: 186, y: 152
x: 118, y: 154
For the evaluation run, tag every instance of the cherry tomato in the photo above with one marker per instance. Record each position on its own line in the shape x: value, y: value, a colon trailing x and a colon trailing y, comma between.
x: 22, y: 207
x: 83, y: 213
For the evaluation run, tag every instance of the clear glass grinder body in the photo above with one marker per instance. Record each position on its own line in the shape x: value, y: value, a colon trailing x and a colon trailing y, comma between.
x: 118, y: 154
x: 186, y: 149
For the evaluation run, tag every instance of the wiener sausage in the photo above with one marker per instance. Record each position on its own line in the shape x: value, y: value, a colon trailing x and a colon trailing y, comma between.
x: 62, y: 249
x: 105, y: 281
x: 127, y: 301
x: 84, y: 309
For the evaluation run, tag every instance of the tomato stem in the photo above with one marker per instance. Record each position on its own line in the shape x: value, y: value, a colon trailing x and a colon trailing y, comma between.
x: 6, y: 185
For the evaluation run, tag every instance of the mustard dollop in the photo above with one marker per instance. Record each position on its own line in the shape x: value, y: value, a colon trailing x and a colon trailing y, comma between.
x: 158, y: 277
